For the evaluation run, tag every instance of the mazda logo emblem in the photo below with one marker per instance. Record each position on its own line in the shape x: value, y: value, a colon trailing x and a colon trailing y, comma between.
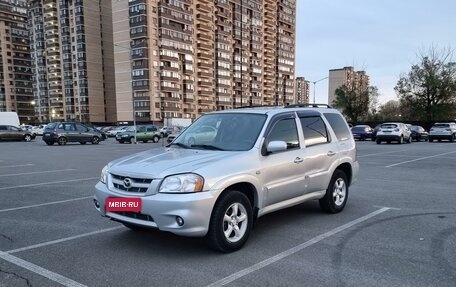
x: 127, y: 182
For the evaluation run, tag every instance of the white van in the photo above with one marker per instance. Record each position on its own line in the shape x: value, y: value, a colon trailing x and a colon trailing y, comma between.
x: 9, y: 118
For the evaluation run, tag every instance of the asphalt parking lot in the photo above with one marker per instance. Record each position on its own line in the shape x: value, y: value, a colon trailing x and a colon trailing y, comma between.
x: 398, y: 228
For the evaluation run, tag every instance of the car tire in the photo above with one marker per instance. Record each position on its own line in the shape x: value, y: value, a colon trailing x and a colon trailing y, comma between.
x: 49, y: 143
x: 230, y: 223
x: 430, y: 140
x: 401, y: 140
x: 155, y: 139
x: 62, y: 141
x: 95, y: 140
x: 336, y: 195
x: 27, y: 138
x: 145, y: 141
x: 82, y: 142
x: 452, y: 138
x: 378, y: 141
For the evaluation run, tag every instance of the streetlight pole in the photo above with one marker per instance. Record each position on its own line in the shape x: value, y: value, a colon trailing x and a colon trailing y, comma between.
x: 314, y: 82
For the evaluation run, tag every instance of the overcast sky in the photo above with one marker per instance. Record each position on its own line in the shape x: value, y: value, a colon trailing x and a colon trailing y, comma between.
x: 381, y: 37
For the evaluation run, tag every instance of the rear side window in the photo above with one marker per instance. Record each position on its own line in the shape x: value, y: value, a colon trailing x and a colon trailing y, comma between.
x: 3, y: 128
x: 315, y: 131
x: 339, y: 126
x: 50, y: 126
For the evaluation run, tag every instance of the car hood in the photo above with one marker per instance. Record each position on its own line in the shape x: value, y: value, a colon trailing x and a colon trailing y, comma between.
x: 158, y: 163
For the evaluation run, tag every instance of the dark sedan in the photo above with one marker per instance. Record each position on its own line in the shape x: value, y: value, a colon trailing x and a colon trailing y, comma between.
x: 362, y: 132
x: 16, y: 134
x: 419, y: 133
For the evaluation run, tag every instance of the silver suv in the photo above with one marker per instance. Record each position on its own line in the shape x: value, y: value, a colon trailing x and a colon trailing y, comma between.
x: 393, y: 132
x: 229, y: 168
x: 441, y: 131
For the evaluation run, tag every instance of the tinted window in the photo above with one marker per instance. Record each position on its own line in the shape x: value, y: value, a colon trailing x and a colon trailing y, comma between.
x: 388, y: 126
x: 285, y: 130
x: 442, y: 125
x: 339, y: 126
x: 81, y: 128
x: 11, y: 128
x: 69, y: 127
x: 314, y: 131
x: 50, y: 126
x: 3, y: 128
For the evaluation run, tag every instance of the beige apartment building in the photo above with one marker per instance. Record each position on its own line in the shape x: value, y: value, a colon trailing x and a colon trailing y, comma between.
x: 346, y: 76
x: 72, y: 60
x: 302, y: 90
x: 183, y: 58
x: 15, y: 73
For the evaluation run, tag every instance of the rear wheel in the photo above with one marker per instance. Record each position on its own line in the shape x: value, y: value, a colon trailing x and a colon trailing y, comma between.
x: 336, y: 194
x: 378, y: 141
x: 62, y: 141
x: 155, y: 139
x: 27, y: 138
x: 231, y: 222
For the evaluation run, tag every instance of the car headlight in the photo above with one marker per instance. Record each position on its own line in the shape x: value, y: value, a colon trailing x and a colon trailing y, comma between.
x: 104, y: 174
x: 182, y: 183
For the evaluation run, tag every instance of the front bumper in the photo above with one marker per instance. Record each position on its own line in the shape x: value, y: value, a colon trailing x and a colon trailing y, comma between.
x: 161, y: 210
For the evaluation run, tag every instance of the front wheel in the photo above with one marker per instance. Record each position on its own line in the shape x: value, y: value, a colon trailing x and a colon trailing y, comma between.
x: 231, y: 222
x: 62, y: 141
x: 27, y: 138
x: 155, y: 139
x: 95, y: 140
x: 336, y: 194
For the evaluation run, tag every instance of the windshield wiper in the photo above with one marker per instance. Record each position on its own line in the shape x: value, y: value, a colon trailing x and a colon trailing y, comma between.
x: 206, y: 146
x: 179, y: 145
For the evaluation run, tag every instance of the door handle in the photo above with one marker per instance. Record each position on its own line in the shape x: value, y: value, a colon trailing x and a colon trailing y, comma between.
x: 330, y: 153
x: 298, y: 160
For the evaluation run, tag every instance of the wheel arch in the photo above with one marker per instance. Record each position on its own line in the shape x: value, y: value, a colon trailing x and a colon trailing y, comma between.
x: 347, y: 169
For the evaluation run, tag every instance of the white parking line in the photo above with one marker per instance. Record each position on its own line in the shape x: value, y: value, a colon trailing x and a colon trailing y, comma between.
x: 36, y: 172
x: 19, y: 165
x: 63, y: 240
x: 421, y: 158
x: 371, y: 154
x: 294, y: 250
x: 47, y: 183
x: 40, y: 270
x: 44, y: 204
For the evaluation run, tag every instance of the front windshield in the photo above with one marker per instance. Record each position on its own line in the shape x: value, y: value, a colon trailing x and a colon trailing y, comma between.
x: 222, y: 131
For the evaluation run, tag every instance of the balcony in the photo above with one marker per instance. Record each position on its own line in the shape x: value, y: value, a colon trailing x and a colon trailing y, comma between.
x: 200, y: 16
x: 204, y: 27
x: 171, y: 99
x: 205, y: 56
x: 188, y: 100
x: 206, y: 93
x: 204, y: 36
x: 204, y: 46
x: 189, y: 110
x: 205, y: 65
x: 205, y: 83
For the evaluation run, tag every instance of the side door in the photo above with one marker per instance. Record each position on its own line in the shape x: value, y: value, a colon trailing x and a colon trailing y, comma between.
x: 71, y: 133
x: 83, y: 133
x: 321, y: 150
x: 141, y: 133
x: 283, y: 172
x: 15, y: 133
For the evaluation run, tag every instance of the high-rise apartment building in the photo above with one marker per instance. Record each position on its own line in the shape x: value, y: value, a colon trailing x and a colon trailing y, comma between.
x: 15, y: 73
x: 72, y: 60
x: 346, y: 76
x: 302, y: 90
x: 182, y: 58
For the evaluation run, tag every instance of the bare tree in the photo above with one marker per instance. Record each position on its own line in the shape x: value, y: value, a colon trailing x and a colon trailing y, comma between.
x: 429, y: 89
x: 355, y: 101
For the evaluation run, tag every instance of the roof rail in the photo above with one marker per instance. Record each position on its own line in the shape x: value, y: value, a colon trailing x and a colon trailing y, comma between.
x: 257, y: 106
x: 308, y: 106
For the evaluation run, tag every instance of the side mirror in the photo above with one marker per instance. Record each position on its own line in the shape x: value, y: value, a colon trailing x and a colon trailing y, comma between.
x: 276, y: 146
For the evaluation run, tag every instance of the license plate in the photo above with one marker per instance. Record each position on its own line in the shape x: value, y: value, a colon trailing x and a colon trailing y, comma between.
x: 47, y: 134
x: 123, y: 204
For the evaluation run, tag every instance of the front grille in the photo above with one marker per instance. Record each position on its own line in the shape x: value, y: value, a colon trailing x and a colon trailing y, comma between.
x: 136, y: 185
x: 135, y: 215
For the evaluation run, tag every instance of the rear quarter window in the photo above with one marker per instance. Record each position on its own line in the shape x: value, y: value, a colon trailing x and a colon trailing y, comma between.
x: 339, y: 126
x: 314, y: 130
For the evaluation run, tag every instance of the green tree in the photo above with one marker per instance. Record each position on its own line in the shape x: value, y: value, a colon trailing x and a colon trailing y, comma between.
x: 428, y: 91
x: 356, y: 102
x: 390, y: 111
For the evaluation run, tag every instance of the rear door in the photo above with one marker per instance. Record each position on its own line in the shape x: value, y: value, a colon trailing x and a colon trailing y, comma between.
x: 71, y: 133
x: 321, y: 150
x: 84, y: 134
x: 15, y: 133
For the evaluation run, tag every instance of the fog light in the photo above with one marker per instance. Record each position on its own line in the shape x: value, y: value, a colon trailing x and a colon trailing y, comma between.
x: 179, y: 220
x: 97, y: 204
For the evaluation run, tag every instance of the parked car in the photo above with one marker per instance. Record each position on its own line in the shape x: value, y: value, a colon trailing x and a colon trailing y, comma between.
x: 362, y: 132
x: 165, y: 131
x: 419, y: 133
x: 8, y: 132
x: 442, y: 131
x: 389, y: 132
x: 173, y: 135
x: 254, y: 162
x: 113, y: 132
x: 38, y: 130
x: 144, y: 133
x: 64, y: 132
